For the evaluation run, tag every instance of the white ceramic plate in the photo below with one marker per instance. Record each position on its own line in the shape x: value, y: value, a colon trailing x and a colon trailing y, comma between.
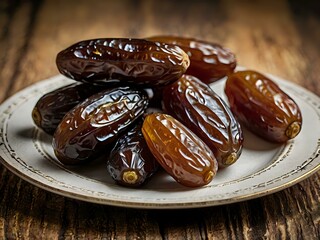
x: 263, y: 167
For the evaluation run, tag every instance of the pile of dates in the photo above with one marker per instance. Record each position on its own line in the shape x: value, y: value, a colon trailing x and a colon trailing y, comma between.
x: 146, y: 104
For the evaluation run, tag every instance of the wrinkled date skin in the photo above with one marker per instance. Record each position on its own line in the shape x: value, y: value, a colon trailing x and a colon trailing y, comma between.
x: 51, y: 107
x: 96, y: 122
x: 179, y: 151
x: 199, y: 108
x: 131, y: 163
x: 262, y: 106
x: 135, y: 61
x: 208, y: 61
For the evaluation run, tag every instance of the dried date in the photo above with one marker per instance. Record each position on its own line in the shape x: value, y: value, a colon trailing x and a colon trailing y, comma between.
x: 208, y: 61
x: 135, y: 61
x: 179, y: 151
x: 51, y: 107
x: 260, y: 104
x: 96, y: 122
x: 131, y: 163
x: 199, y: 108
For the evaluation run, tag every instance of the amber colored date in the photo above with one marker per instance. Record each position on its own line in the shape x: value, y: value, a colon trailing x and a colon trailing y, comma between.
x: 262, y: 106
x: 96, y: 122
x: 135, y: 61
x: 51, y: 107
x: 179, y: 151
x: 131, y: 163
x: 199, y: 108
x: 208, y: 61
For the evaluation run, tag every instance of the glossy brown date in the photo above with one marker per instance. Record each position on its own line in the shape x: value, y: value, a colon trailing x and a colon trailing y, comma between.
x: 208, y: 61
x: 262, y: 106
x: 131, y: 163
x: 179, y: 151
x: 51, y: 107
x: 135, y: 61
x: 96, y: 122
x: 199, y: 108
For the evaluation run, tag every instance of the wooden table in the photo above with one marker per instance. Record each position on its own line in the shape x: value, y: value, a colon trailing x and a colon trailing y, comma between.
x: 278, y: 37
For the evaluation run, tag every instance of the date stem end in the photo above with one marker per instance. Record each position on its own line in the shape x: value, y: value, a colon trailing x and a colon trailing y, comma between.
x: 209, y: 176
x: 36, y: 116
x: 293, y: 130
x: 231, y: 159
x: 130, y: 177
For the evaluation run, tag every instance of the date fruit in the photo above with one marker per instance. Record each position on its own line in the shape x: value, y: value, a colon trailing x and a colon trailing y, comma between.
x: 200, y: 109
x: 131, y: 163
x: 179, y: 151
x: 96, y: 122
x: 133, y: 61
x: 260, y: 104
x: 208, y: 61
x: 51, y: 107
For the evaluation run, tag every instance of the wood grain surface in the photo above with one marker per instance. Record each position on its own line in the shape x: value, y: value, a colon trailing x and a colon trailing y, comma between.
x: 278, y: 37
